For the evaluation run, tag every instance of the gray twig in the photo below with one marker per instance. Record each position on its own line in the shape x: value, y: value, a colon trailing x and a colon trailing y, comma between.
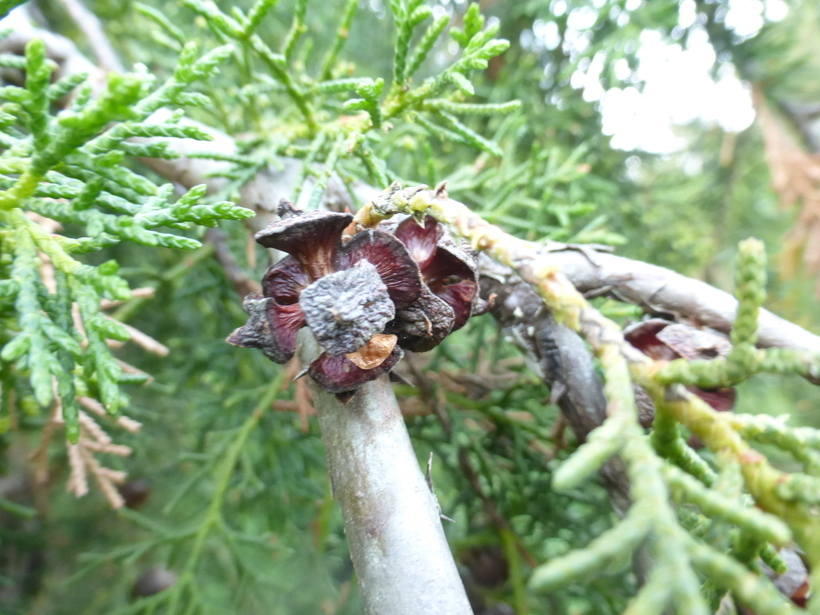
x: 393, y: 528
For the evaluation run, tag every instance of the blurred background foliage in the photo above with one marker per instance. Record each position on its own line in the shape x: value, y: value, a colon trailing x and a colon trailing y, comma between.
x: 278, y: 545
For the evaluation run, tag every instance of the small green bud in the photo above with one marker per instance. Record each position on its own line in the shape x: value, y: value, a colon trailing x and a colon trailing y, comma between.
x: 109, y: 268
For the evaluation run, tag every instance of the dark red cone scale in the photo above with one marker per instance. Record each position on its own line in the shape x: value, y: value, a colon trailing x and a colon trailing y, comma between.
x: 397, y: 269
x: 339, y: 374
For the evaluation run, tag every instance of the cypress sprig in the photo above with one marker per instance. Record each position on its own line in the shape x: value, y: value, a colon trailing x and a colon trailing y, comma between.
x: 369, y: 90
x: 750, y: 290
x: 720, y: 372
x: 336, y: 151
x: 601, y: 444
x: 38, y: 75
x: 307, y: 166
x: 459, y: 108
x: 653, y: 597
x: 473, y: 24
x: 770, y: 557
x: 669, y: 443
x: 65, y: 386
x: 599, y: 556
x: 751, y: 589
x: 476, y: 56
x: 339, y: 40
x: 408, y: 15
x: 276, y: 63
x: 65, y: 85
x: 799, y: 488
x: 163, y: 22
x: 425, y: 45
x: 375, y: 167
x: 791, y: 361
x: 258, y: 12
x: 297, y: 29
x: 342, y: 86
x: 763, y: 526
x: 773, y: 430
x: 443, y: 134
x: 470, y: 136
x: 31, y: 347
x: 802, y: 443
x: 67, y: 167
x: 744, y: 360
x: 703, y: 374
x: 8, y: 60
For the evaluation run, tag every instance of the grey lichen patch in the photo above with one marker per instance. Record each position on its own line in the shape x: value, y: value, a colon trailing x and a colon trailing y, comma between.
x: 346, y: 309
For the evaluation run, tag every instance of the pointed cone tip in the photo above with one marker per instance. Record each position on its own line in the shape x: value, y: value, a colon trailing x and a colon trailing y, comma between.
x: 238, y: 338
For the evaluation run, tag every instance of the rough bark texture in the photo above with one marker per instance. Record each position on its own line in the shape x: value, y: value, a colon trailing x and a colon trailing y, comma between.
x: 660, y: 290
x: 394, y: 532
x: 559, y: 356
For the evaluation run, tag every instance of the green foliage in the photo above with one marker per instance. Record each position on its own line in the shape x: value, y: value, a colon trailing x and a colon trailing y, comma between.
x: 686, y: 488
x: 241, y: 508
x: 66, y: 167
x: 7, y: 5
x: 789, y: 495
x: 338, y: 134
x: 598, y: 556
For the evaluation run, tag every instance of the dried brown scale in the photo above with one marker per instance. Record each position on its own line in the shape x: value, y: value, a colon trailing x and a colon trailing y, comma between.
x: 285, y: 281
x: 421, y: 242
x: 448, y: 268
x: 448, y: 264
x: 461, y: 297
x: 693, y: 343
x: 258, y: 333
x: 374, y: 352
x: 663, y: 340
